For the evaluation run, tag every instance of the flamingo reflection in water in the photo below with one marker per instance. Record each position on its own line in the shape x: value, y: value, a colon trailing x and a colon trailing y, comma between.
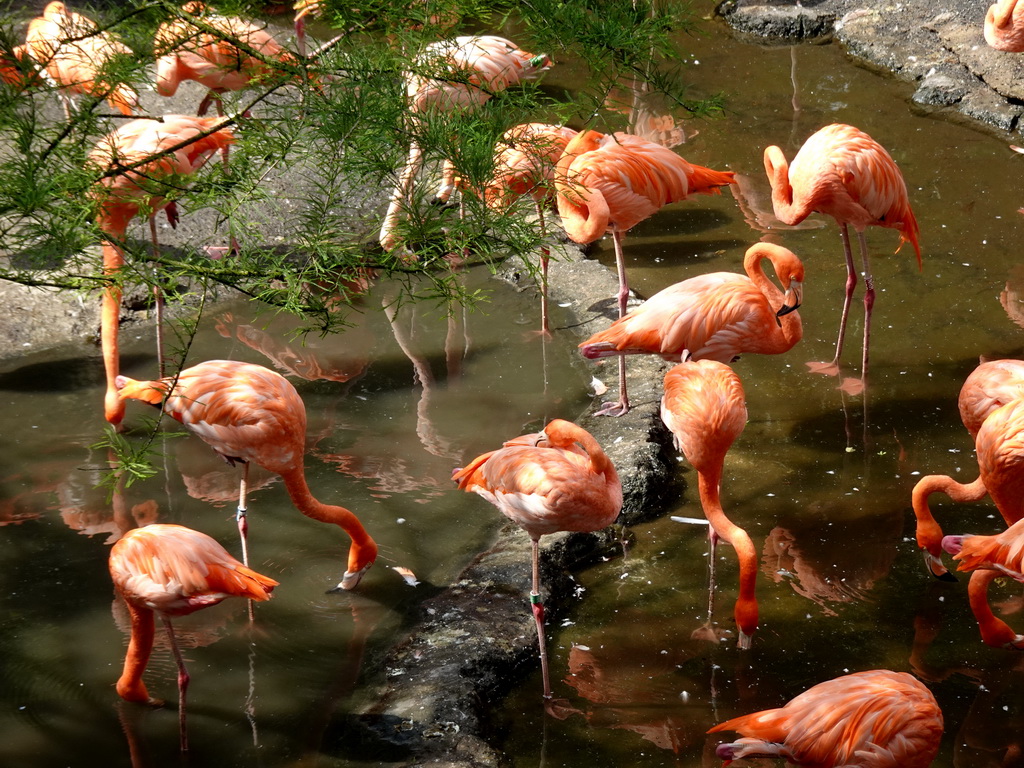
x: 988, y: 393
x: 630, y: 681
x: 809, y: 552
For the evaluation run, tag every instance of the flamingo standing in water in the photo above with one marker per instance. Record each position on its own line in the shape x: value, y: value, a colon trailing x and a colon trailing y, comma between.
x: 469, y: 70
x: 873, y: 719
x: 249, y: 413
x: 74, y: 54
x: 171, y: 570
x: 143, y: 189
x: 990, y: 557
x: 843, y: 172
x: 705, y: 409
x: 610, y: 183
x: 524, y: 164
x: 990, y: 386
x: 715, y: 316
x: 1004, y: 26
x: 558, y: 479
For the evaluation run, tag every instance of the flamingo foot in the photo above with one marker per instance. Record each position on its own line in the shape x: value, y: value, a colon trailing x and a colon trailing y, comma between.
x: 615, y: 408
x: 852, y: 386
x: 827, y: 369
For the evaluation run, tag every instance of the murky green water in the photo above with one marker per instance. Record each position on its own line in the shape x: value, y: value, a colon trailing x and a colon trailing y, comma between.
x: 385, y: 430
x: 821, y: 481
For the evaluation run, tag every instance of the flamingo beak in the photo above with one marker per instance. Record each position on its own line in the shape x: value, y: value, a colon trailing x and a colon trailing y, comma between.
x: 791, y: 300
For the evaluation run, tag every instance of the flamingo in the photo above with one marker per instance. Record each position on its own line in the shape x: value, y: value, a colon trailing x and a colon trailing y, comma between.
x: 715, y: 316
x: 1004, y: 26
x: 248, y: 413
x: 558, y: 479
x: 74, y: 54
x: 990, y: 386
x: 524, y: 164
x: 705, y: 409
x: 610, y: 183
x: 468, y: 70
x: 17, y: 68
x: 171, y: 570
x: 990, y: 557
x: 180, y: 145
x: 843, y: 172
x: 872, y: 719
x: 186, y: 52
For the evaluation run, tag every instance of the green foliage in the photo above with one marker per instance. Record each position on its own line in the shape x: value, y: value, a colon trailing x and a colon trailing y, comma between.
x: 319, y: 151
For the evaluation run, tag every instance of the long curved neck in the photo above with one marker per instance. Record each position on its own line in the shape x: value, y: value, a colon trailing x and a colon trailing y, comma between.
x: 584, y: 210
x: 754, y: 267
x: 994, y: 631
x: 1002, y: 12
x: 929, y: 532
x: 777, y: 168
x: 130, y: 686
x: 745, y: 611
x: 363, y: 549
x: 110, y: 317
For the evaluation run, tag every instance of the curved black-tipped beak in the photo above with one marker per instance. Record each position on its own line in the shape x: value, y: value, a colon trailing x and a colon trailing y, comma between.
x: 791, y: 300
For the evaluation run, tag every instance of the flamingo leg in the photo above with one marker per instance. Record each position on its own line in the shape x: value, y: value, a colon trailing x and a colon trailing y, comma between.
x: 713, y: 538
x: 869, y: 303
x: 545, y: 254
x: 851, y: 284
x: 538, y: 614
x: 402, y: 192
x: 241, y: 517
x: 300, y: 36
x: 158, y: 300
x: 620, y: 406
x: 183, y: 679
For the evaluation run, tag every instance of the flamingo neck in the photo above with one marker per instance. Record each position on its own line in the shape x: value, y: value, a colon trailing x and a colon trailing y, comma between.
x: 994, y: 631
x: 745, y: 610
x: 777, y: 168
x: 1001, y: 13
x: 130, y: 686
x: 929, y: 532
x: 110, y: 318
x: 584, y: 210
x: 363, y: 550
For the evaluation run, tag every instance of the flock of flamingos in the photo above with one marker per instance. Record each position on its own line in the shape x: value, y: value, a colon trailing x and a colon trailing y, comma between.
x: 558, y: 479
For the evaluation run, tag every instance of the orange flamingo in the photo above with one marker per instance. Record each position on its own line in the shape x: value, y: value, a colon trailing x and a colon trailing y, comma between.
x: 610, y: 183
x: 843, y: 172
x: 705, y: 409
x: 558, y: 479
x: 466, y: 71
x: 186, y: 52
x: 715, y: 316
x: 17, y: 68
x: 179, y: 146
x: 145, y: 188
x: 990, y: 386
x: 524, y: 164
x: 171, y: 570
x: 990, y: 557
x: 876, y: 719
x: 75, y: 55
x: 1004, y: 26
x: 249, y: 413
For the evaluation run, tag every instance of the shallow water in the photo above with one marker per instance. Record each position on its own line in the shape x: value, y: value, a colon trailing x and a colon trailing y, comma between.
x: 386, y: 428
x: 819, y: 479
